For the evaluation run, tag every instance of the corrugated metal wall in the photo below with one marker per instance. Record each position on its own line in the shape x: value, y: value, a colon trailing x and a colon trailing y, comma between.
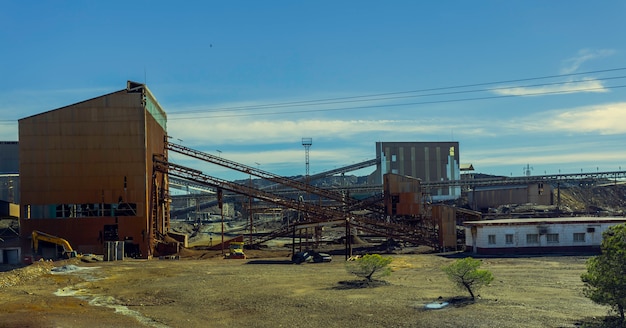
x: 96, y: 151
x: 81, y: 153
x: 491, y: 198
x: 429, y: 161
x: 403, y: 195
x: 445, y: 216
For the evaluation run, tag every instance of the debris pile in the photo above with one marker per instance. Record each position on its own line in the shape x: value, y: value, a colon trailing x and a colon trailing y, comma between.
x: 21, y: 275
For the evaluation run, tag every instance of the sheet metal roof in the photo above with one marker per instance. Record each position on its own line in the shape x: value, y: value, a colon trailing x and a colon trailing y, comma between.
x: 538, y: 221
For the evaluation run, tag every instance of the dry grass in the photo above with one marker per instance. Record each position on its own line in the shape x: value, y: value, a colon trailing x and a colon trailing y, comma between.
x: 271, y: 292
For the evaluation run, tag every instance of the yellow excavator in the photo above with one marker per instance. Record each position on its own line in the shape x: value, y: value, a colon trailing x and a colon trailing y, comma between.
x: 38, y: 236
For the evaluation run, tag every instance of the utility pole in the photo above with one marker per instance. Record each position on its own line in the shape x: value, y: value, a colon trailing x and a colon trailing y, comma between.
x: 250, y: 209
x: 307, y: 142
x: 527, y: 170
x: 220, y: 202
x: 250, y: 212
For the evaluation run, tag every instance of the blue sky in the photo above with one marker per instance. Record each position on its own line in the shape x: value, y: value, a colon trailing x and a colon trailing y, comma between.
x: 252, y: 78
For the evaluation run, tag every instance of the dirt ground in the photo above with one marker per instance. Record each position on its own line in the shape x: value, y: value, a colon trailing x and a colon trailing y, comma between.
x: 202, y: 289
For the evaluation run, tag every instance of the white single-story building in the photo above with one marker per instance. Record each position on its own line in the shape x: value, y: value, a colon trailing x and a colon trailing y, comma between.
x: 537, y: 236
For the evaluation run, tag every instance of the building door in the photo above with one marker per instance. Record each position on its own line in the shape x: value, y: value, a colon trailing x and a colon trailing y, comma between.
x: 10, y: 256
x: 474, y: 236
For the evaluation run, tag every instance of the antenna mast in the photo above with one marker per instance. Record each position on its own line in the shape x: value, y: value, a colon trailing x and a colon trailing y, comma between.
x: 307, y: 142
x: 527, y: 169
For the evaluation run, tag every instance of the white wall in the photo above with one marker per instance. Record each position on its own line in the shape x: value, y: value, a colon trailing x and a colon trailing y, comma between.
x: 565, y: 233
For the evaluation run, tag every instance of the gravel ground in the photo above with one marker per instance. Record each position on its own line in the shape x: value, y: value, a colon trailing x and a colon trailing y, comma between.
x: 204, y: 290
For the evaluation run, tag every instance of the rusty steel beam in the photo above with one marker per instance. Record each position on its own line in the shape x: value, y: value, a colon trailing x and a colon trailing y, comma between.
x: 320, y: 214
x: 199, y: 177
x: 549, y: 178
x: 336, y: 196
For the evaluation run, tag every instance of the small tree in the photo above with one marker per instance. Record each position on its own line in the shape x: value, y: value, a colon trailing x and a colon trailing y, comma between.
x: 465, y: 274
x: 370, y: 266
x: 605, y: 279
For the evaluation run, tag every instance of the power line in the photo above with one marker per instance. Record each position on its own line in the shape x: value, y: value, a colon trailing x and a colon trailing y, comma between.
x: 399, y: 105
x: 401, y: 95
x: 327, y: 101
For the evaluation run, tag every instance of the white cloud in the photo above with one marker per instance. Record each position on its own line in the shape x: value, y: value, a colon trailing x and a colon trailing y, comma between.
x: 567, y: 139
x: 336, y: 142
x: 246, y: 131
x: 549, y: 159
x: 587, y: 85
x: 572, y: 64
x: 569, y: 66
x: 603, y: 119
x: 562, y: 157
x: 8, y: 131
x: 343, y: 142
x: 286, y: 162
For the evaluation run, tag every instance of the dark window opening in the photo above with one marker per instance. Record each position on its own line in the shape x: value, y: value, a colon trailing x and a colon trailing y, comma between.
x: 110, y: 232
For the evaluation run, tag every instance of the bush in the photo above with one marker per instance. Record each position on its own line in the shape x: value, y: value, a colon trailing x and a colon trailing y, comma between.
x: 370, y: 266
x: 464, y: 273
x: 605, y: 282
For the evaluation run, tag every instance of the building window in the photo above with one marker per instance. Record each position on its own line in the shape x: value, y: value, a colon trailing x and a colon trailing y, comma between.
x: 492, y: 239
x: 553, y: 238
x: 90, y: 210
x: 63, y: 211
x: 126, y: 209
x: 509, y: 238
x: 579, y: 237
x: 532, y: 238
x: 393, y: 158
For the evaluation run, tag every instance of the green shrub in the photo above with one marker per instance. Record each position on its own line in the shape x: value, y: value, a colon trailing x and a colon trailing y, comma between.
x: 370, y: 266
x: 464, y: 273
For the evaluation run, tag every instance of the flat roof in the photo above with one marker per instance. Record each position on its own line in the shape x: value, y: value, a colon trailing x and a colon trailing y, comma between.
x: 467, y: 167
x: 534, y: 221
x: 503, y: 187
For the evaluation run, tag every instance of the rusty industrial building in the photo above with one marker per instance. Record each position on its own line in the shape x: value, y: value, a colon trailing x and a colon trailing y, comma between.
x: 86, y: 172
x: 412, y: 223
x: 484, y: 198
x: 98, y: 171
x: 428, y: 161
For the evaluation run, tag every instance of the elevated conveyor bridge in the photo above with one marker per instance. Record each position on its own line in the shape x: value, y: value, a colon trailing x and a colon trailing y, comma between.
x: 549, y: 178
x: 316, y: 213
x: 307, y: 188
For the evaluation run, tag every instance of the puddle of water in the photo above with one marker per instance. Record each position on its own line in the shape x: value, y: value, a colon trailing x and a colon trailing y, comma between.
x: 67, y: 291
x: 100, y: 300
x: 437, y: 305
x: 110, y: 302
x: 87, y: 274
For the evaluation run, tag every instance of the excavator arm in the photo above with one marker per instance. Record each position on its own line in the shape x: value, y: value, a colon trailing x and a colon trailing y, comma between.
x: 42, y: 236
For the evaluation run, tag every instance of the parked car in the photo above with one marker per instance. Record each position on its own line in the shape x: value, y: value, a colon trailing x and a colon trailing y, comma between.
x: 311, y: 257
